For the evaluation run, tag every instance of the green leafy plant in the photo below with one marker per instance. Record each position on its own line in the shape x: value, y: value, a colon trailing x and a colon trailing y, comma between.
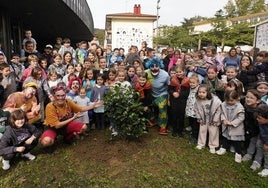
x: 123, y: 107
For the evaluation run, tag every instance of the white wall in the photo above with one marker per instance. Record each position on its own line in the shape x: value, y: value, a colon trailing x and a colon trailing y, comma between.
x: 131, y: 32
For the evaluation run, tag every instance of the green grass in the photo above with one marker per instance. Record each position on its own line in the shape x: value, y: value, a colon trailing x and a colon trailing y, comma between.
x: 152, y: 161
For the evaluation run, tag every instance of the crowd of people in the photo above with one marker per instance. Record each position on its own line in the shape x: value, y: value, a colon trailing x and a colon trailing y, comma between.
x: 221, y: 97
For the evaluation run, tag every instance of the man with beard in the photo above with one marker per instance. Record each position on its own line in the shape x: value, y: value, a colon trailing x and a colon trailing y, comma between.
x: 166, y: 60
x: 26, y: 101
x: 159, y: 80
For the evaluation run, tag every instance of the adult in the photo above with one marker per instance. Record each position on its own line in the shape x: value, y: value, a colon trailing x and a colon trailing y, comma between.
x: 61, y: 115
x: 159, y: 80
x: 48, y: 55
x: 29, y: 50
x: 232, y: 59
x: 26, y: 101
x: 166, y: 60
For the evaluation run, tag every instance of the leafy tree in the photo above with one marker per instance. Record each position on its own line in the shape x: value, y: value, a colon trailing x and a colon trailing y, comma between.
x: 186, y: 23
x: 100, y: 33
x: 230, y: 9
x: 242, y: 7
x: 258, y: 6
x: 123, y: 107
x: 235, y: 8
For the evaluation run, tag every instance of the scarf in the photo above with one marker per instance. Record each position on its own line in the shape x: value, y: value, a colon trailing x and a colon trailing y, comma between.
x: 141, y: 89
x: 178, y: 83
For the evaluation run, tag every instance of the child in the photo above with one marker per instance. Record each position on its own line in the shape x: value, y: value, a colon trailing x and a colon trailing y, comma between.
x: 111, y: 77
x: 69, y: 70
x: 20, y: 137
x: 190, y: 110
x: 208, y: 113
x: 121, y: 79
x: 262, y: 143
x: 17, y: 68
x: 253, y: 98
x: 82, y: 100
x: 88, y: 81
x: 82, y: 52
x: 232, y: 118
x: 215, y: 84
x: 74, y: 85
x: 212, y: 58
x: 53, y: 78
x: 121, y: 65
x: 144, y: 88
x: 28, y: 37
x: 4, y: 115
x: 33, y: 61
x: 58, y: 66
x: 67, y: 47
x: 172, y: 73
x: 248, y: 81
x: 8, y: 82
x: 262, y: 88
x: 259, y: 60
x: 131, y: 76
x: 43, y: 64
x: 178, y: 93
x: 97, y: 95
x: 196, y: 61
x: 78, y: 70
x: 139, y: 70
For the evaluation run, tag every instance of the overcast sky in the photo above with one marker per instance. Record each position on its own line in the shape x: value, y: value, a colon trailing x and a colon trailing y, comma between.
x: 171, y: 12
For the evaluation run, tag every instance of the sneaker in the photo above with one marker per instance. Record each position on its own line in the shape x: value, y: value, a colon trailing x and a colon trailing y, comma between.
x: 221, y: 151
x: 246, y: 157
x: 163, y: 131
x: 255, y: 165
x: 114, y: 132
x: 212, y: 150
x: 238, y: 158
x: 263, y: 173
x: 188, y: 128
x: 6, y: 164
x: 199, y: 147
x: 28, y: 156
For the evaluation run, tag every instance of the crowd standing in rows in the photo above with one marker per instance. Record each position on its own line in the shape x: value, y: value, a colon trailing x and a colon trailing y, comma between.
x: 61, y: 92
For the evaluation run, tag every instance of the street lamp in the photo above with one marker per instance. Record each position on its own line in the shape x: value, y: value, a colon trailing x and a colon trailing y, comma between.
x: 157, y: 15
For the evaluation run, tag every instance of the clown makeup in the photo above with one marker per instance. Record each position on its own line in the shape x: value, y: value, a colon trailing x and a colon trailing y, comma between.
x: 154, y: 69
x: 75, y: 85
x: 29, y: 92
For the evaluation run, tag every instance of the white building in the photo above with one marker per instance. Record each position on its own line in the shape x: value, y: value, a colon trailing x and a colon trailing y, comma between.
x: 206, y: 25
x: 126, y: 29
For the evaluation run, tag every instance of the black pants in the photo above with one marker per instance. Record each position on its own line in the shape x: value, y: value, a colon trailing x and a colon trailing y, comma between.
x: 195, y: 127
x: 237, y: 145
x: 100, y: 119
x: 178, y: 123
x: 28, y: 148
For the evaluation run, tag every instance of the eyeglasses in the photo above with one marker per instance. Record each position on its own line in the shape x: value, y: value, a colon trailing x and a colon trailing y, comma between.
x: 60, y: 96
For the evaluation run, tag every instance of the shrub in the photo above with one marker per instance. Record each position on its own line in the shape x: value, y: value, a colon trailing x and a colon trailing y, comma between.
x: 123, y: 107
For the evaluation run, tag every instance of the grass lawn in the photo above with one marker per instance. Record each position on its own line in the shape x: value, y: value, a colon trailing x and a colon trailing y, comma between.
x: 152, y: 161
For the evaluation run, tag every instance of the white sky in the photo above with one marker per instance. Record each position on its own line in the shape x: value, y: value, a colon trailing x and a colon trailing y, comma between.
x: 171, y: 12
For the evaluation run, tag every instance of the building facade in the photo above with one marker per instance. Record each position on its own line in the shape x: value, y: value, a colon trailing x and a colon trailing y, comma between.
x: 126, y: 29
